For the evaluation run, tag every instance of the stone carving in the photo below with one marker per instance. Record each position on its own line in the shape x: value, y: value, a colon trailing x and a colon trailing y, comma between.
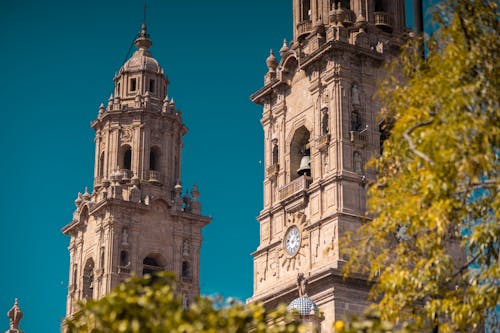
x: 125, y: 236
x: 302, y: 284
x: 15, y: 315
x: 126, y: 134
x: 155, y: 135
x: 185, y: 248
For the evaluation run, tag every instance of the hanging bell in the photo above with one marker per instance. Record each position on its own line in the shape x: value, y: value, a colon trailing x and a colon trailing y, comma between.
x: 305, y: 166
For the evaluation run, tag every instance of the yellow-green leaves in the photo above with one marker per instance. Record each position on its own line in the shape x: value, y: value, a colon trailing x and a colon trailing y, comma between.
x: 438, y: 177
x: 143, y: 305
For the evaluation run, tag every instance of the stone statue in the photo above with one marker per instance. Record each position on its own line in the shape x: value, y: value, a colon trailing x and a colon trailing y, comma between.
x: 185, y: 247
x: 302, y: 285
x: 355, y: 94
x: 125, y: 236
x: 324, y: 121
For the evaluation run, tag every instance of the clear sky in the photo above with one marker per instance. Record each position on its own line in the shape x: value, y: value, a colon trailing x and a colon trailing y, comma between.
x: 58, y: 59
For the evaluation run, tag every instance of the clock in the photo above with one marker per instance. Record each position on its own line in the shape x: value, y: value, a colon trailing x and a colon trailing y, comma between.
x: 291, y: 242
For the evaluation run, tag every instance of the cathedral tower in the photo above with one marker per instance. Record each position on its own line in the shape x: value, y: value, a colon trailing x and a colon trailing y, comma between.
x: 136, y: 220
x: 320, y: 128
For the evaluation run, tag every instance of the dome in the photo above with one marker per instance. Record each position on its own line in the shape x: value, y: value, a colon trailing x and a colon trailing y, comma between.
x: 304, y: 306
x: 142, y: 59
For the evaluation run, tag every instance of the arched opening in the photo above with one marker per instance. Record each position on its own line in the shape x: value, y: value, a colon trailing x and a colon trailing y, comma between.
x: 305, y: 10
x: 379, y: 6
x: 289, y: 68
x: 126, y: 157
x: 154, y: 159
x: 300, y: 155
x: 345, y: 4
x: 150, y: 265
x: 186, y: 271
x: 124, y: 259
x: 356, y: 122
x: 88, y: 279
x: 84, y: 215
x: 101, y: 165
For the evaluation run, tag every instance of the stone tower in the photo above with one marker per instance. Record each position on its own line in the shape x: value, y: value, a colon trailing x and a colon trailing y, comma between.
x: 136, y: 220
x: 320, y: 127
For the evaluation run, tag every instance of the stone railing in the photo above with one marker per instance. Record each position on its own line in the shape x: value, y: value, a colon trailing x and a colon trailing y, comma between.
x: 383, y: 20
x: 154, y: 176
x: 126, y: 174
x: 304, y: 27
x: 358, y: 137
x: 295, y: 186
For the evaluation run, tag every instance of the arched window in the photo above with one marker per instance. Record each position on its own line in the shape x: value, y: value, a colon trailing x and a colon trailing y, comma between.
x: 345, y: 4
x: 126, y: 157
x: 300, y: 154
x: 150, y: 266
x: 305, y: 10
x: 186, y: 271
x: 88, y: 279
x: 379, y: 6
x: 101, y: 165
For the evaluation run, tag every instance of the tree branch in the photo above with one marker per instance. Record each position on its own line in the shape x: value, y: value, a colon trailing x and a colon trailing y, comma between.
x: 411, y: 144
x: 464, y: 267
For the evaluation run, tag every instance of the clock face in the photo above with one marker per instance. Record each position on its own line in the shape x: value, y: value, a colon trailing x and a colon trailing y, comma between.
x: 292, y: 241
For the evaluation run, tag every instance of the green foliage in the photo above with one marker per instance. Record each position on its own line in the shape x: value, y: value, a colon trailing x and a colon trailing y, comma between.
x: 147, y: 306
x: 433, y: 245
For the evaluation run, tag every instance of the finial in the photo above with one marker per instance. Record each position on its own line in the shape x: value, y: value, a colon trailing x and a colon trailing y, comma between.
x: 271, y: 61
x: 194, y: 192
x: 142, y: 41
x: 284, y: 49
x: 302, y: 284
x: 15, y: 315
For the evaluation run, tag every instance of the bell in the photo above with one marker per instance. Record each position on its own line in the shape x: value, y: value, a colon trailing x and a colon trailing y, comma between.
x: 305, y: 166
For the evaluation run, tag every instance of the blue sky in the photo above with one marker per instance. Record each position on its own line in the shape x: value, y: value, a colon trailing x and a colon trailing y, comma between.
x: 58, y: 60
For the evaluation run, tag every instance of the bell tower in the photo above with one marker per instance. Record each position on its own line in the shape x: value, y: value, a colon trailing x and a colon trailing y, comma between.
x: 136, y: 220
x: 320, y: 127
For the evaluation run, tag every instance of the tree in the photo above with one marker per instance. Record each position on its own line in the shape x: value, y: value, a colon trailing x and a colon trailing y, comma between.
x: 149, y: 305
x: 432, y: 247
